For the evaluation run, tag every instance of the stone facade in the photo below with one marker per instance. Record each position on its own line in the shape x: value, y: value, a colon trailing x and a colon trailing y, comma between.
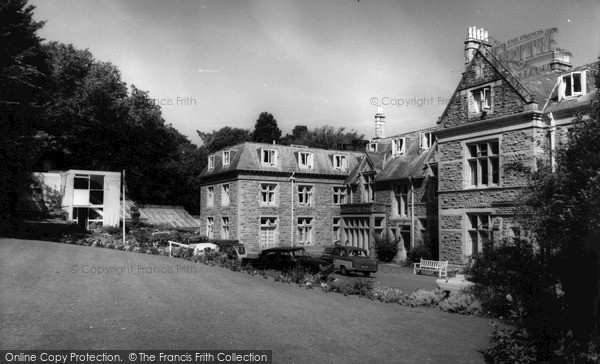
x: 287, y: 203
x: 491, y: 133
x: 456, y: 184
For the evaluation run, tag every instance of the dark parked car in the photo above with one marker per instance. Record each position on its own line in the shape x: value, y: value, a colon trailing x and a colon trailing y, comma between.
x: 285, y: 258
x: 350, y: 259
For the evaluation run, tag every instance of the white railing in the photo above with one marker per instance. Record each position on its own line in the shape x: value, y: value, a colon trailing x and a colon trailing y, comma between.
x: 171, y: 243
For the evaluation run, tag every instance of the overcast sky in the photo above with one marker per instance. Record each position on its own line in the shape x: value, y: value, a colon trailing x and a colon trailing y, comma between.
x: 218, y: 63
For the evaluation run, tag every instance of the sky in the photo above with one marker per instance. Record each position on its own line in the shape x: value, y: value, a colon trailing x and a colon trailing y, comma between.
x: 211, y: 64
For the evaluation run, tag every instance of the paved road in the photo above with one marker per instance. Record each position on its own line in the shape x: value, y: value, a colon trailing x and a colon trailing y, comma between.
x: 54, y: 297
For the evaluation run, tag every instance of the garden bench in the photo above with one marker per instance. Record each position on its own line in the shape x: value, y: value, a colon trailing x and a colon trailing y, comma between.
x: 432, y: 265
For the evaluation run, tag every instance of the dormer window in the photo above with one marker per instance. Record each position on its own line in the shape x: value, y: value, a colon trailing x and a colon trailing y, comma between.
x: 426, y: 140
x: 305, y: 160
x: 398, y: 146
x: 481, y: 99
x: 268, y: 157
x: 572, y: 85
x: 211, y: 162
x: 340, y: 162
x: 226, y: 157
x: 372, y: 147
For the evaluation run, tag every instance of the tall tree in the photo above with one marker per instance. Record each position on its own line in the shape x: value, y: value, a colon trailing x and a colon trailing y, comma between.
x: 89, y: 108
x: 266, y: 129
x: 297, y: 134
x: 98, y: 123
x: 23, y: 71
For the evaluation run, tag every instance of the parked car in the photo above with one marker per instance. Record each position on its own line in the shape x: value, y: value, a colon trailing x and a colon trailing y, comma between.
x: 236, y: 251
x: 348, y: 259
x: 201, y: 248
x: 285, y: 258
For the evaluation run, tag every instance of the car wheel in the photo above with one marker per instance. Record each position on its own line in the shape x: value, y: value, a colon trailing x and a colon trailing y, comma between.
x: 344, y: 271
x: 367, y: 274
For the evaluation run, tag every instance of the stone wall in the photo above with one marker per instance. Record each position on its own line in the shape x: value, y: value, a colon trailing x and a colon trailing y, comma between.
x: 451, y: 246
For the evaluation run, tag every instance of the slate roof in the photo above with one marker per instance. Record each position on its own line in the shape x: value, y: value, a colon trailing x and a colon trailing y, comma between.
x: 545, y: 88
x: 246, y: 157
x: 388, y: 168
x: 412, y: 164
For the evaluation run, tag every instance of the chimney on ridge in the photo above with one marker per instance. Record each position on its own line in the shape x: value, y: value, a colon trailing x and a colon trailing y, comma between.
x: 475, y: 39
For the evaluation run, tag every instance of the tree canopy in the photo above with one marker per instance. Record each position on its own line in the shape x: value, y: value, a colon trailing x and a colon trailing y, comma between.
x: 224, y: 137
x: 325, y: 136
x: 266, y: 129
x: 23, y: 76
x: 95, y: 121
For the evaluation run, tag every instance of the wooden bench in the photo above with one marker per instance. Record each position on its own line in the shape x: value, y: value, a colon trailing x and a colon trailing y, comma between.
x: 432, y: 265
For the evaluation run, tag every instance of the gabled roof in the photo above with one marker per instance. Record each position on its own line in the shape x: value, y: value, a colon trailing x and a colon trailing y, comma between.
x: 411, y: 164
x: 247, y: 157
x: 371, y: 162
x: 484, y: 55
x: 541, y: 88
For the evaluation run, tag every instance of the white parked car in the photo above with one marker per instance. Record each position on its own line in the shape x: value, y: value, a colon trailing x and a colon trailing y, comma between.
x: 201, y: 248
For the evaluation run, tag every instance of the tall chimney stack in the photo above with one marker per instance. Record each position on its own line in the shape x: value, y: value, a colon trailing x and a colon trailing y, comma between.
x: 476, y: 37
x: 379, y: 123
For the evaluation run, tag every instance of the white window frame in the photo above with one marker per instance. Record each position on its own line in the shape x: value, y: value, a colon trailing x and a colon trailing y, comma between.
x: 379, y: 228
x: 567, y: 85
x: 304, y: 193
x: 398, y: 146
x: 481, y: 99
x: 225, y: 195
x: 425, y: 140
x: 340, y: 193
x: 369, y: 188
x: 268, y: 157
x: 373, y: 147
x: 268, y: 232
x: 305, y: 160
x: 211, y: 162
x: 340, y: 162
x: 337, y: 228
x: 210, y: 227
x: 226, y: 157
x: 401, y: 198
x: 210, y: 196
x: 483, y: 164
x: 305, y: 230
x: 478, y: 225
x: 268, y: 194
x: 225, y: 227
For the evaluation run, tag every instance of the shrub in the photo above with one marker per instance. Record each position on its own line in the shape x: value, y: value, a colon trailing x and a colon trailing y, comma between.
x: 360, y: 288
x: 111, y: 230
x: 385, y: 247
x: 423, y: 298
x: 388, y: 295
x: 461, y: 302
x: 510, y: 345
x: 425, y: 249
